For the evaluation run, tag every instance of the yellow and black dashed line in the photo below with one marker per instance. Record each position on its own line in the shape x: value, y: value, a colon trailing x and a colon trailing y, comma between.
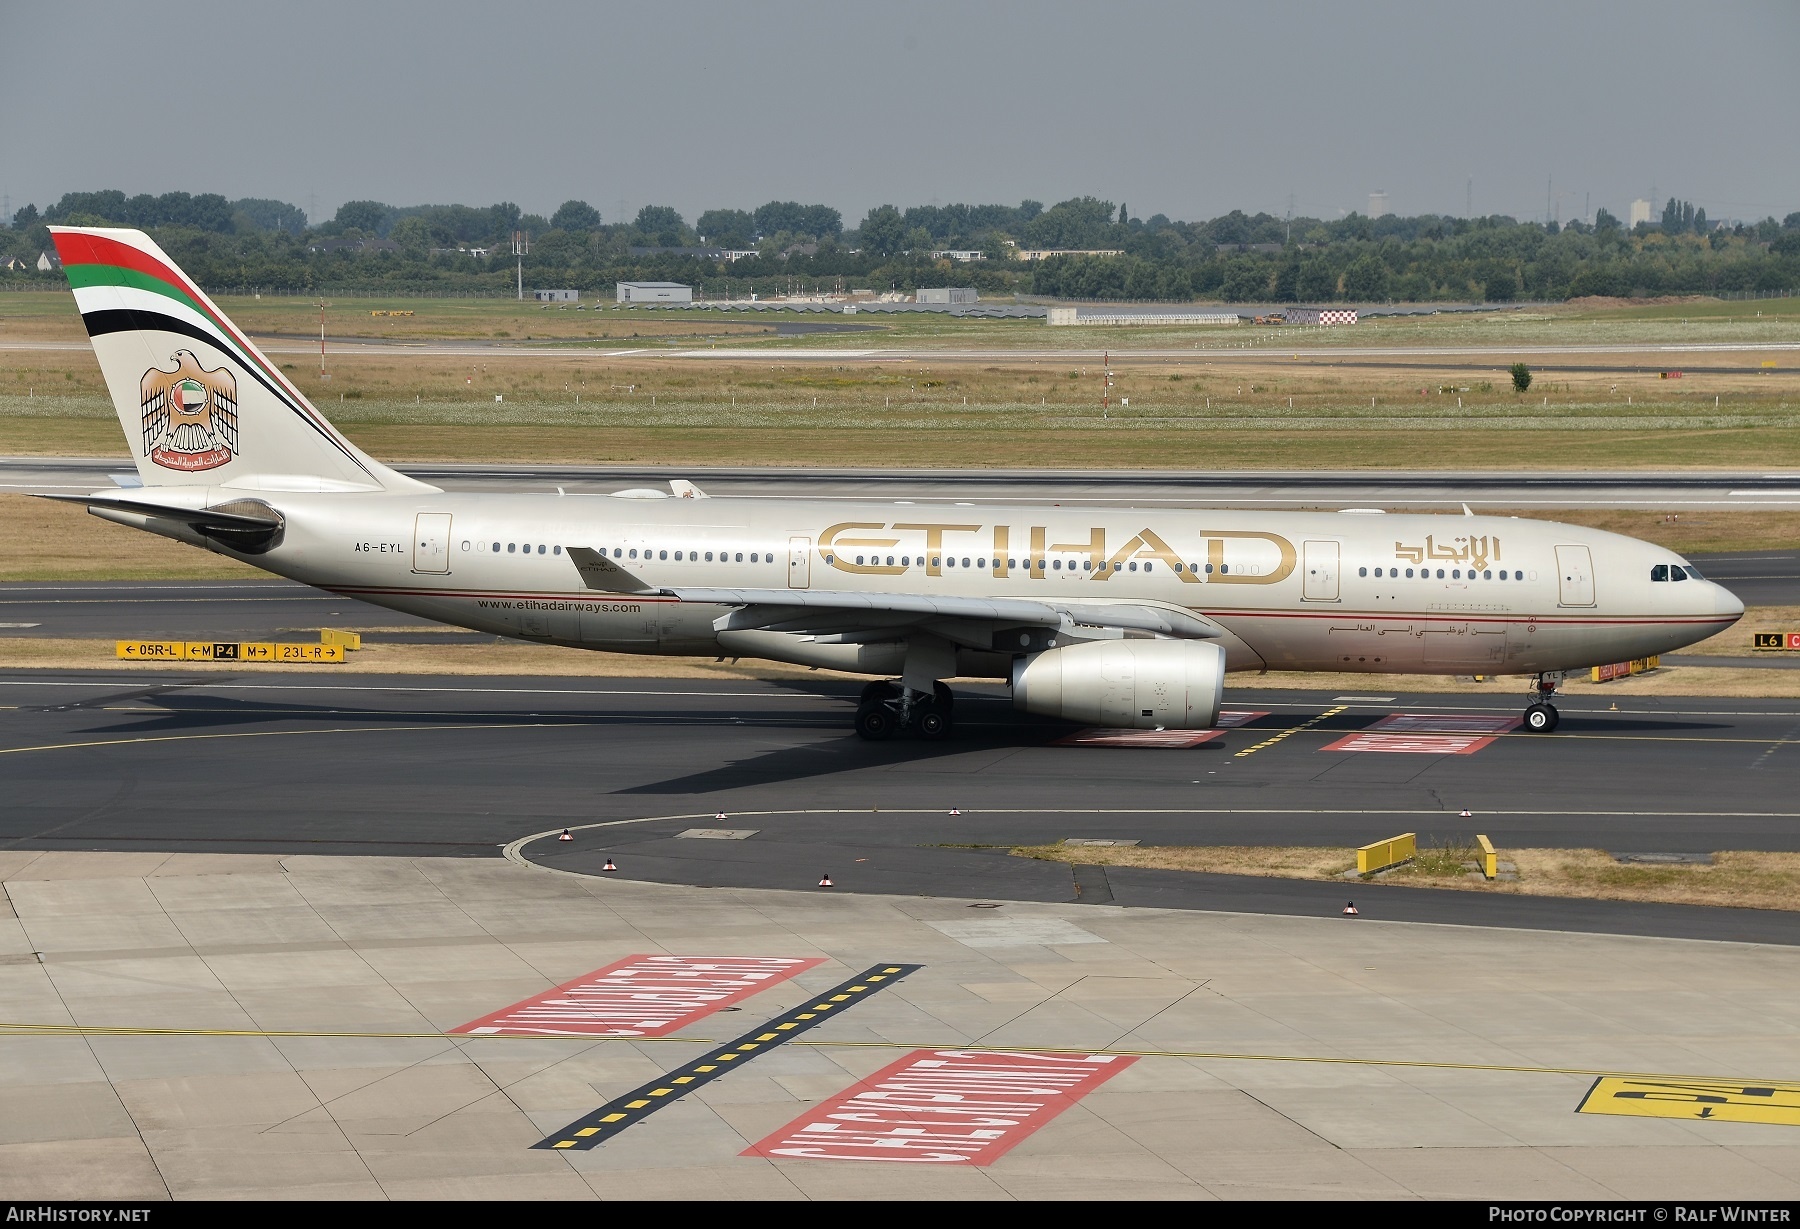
x: 1304, y: 725
x: 641, y: 1102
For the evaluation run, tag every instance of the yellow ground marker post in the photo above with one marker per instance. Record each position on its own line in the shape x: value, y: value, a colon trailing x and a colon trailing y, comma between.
x: 1708, y: 1100
x: 1490, y: 861
x: 633, y: 1107
x: 1383, y: 854
x: 331, y: 635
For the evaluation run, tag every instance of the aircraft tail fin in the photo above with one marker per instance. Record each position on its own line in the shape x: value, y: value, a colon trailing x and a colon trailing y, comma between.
x: 200, y: 405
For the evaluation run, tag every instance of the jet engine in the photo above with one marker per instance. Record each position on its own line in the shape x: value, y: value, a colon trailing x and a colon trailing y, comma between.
x: 1126, y: 684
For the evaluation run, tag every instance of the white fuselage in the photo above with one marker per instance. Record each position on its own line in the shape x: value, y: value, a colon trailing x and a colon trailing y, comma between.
x: 1402, y: 594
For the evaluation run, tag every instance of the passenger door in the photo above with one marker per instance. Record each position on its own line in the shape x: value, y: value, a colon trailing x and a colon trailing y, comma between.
x: 1321, y: 564
x: 431, y: 543
x: 799, y: 572
x: 1574, y: 576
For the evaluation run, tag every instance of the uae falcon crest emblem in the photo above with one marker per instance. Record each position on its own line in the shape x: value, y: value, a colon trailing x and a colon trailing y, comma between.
x: 190, y: 415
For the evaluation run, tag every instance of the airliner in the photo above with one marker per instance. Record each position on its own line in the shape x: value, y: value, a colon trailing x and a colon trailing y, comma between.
x: 1122, y: 618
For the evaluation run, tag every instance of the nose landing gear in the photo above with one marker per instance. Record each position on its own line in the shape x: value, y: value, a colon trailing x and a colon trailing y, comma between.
x: 1541, y: 717
x: 887, y: 709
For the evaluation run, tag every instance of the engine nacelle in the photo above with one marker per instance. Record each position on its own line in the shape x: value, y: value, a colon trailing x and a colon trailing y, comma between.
x: 1125, y: 684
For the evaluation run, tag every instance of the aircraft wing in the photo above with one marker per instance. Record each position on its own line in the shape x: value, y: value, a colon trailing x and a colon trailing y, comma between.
x: 823, y: 612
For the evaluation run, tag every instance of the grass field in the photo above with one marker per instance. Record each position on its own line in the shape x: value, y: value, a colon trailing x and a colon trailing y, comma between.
x: 1734, y: 879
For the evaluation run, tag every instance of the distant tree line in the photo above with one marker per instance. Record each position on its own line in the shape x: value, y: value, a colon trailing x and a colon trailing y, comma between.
x: 372, y: 247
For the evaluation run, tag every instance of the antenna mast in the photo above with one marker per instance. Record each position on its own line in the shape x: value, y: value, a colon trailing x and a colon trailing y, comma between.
x: 521, y: 249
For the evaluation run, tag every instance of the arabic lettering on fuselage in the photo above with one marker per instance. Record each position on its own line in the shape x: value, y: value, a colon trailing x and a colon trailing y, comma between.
x: 1476, y: 551
x: 1224, y: 556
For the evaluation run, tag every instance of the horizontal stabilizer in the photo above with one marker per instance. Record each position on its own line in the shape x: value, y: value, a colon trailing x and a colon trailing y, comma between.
x: 239, y: 519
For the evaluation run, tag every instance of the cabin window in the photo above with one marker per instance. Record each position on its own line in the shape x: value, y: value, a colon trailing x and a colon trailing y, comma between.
x: 859, y: 560
x: 890, y: 561
x: 541, y: 549
x: 511, y: 547
x: 1149, y: 566
x: 934, y: 561
x: 981, y: 562
x: 1179, y: 566
x: 1455, y: 573
x: 557, y: 550
x: 1012, y: 563
x: 1209, y: 569
x: 1223, y: 568
x: 1440, y: 574
x: 465, y: 544
x: 662, y: 554
x: 1409, y: 573
x: 965, y: 562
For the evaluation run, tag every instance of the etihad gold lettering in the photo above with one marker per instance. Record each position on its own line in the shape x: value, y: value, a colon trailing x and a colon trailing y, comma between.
x: 1094, y: 548
x: 1477, y: 551
x: 934, y: 542
x: 1147, y: 546
x: 832, y: 548
x: 1224, y: 572
x: 1233, y: 556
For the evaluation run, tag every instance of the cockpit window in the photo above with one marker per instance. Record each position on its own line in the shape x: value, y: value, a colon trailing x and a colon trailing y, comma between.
x: 1660, y: 572
x: 1676, y: 572
x: 1694, y: 573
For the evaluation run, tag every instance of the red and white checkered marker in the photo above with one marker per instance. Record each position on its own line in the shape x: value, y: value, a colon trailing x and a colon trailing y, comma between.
x: 1350, y: 909
x: 565, y: 836
x: 824, y: 881
x: 1465, y: 813
x: 721, y: 815
x: 609, y: 864
x: 954, y: 811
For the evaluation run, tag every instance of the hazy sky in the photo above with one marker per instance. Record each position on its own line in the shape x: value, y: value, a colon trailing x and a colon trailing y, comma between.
x: 1188, y: 109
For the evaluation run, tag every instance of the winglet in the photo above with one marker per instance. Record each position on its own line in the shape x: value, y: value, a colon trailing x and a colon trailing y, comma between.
x: 602, y: 574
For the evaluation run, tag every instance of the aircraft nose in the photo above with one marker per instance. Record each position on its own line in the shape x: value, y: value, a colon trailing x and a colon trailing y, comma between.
x: 1726, y: 602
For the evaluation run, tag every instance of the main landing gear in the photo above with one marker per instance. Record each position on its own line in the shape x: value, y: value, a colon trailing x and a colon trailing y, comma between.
x: 887, y: 709
x: 1541, y: 717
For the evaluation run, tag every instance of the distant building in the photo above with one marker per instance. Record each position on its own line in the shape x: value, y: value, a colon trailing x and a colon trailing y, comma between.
x: 1320, y: 315
x: 1223, y: 248
x: 1047, y: 253
x: 1378, y: 205
x: 654, y: 292
x: 11, y: 263
x: 1063, y: 316
x: 48, y: 262
x: 964, y: 257
x: 948, y: 296
x: 557, y: 296
x: 1640, y: 212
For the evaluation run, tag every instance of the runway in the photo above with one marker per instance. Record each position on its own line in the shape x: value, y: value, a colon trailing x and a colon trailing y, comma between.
x: 439, y: 766
x: 1670, y: 491
x: 1230, y: 347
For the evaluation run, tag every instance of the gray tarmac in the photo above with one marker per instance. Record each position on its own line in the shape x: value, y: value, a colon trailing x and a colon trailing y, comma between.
x: 1675, y: 492
x: 410, y: 766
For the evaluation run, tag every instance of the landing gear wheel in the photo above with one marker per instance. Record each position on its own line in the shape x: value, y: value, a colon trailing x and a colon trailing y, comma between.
x: 933, y: 724
x: 878, y: 691
x: 1541, y: 718
x: 876, y: 722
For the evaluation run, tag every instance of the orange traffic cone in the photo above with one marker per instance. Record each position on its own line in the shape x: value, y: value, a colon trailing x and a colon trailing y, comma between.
x: 1350, y: 909
x: 954, y: 811
x: 565, y: 836
x: 824, y: 881
x: 609, y: 864
x: 1465, y: 813
x: 721, y: 815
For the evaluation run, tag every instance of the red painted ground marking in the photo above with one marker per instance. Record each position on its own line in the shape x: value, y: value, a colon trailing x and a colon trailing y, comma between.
x: 1136, y: 738
x: 1413, y: 744
x: 641, y: 996
x: 1230, y: 718
x: 943, y: 1107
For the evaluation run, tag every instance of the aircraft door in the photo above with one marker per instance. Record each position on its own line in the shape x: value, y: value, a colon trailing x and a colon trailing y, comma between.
x: 1321, y: 564
x: 799, y: 573
x: 1574, y: 576
x: 431, y: 543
